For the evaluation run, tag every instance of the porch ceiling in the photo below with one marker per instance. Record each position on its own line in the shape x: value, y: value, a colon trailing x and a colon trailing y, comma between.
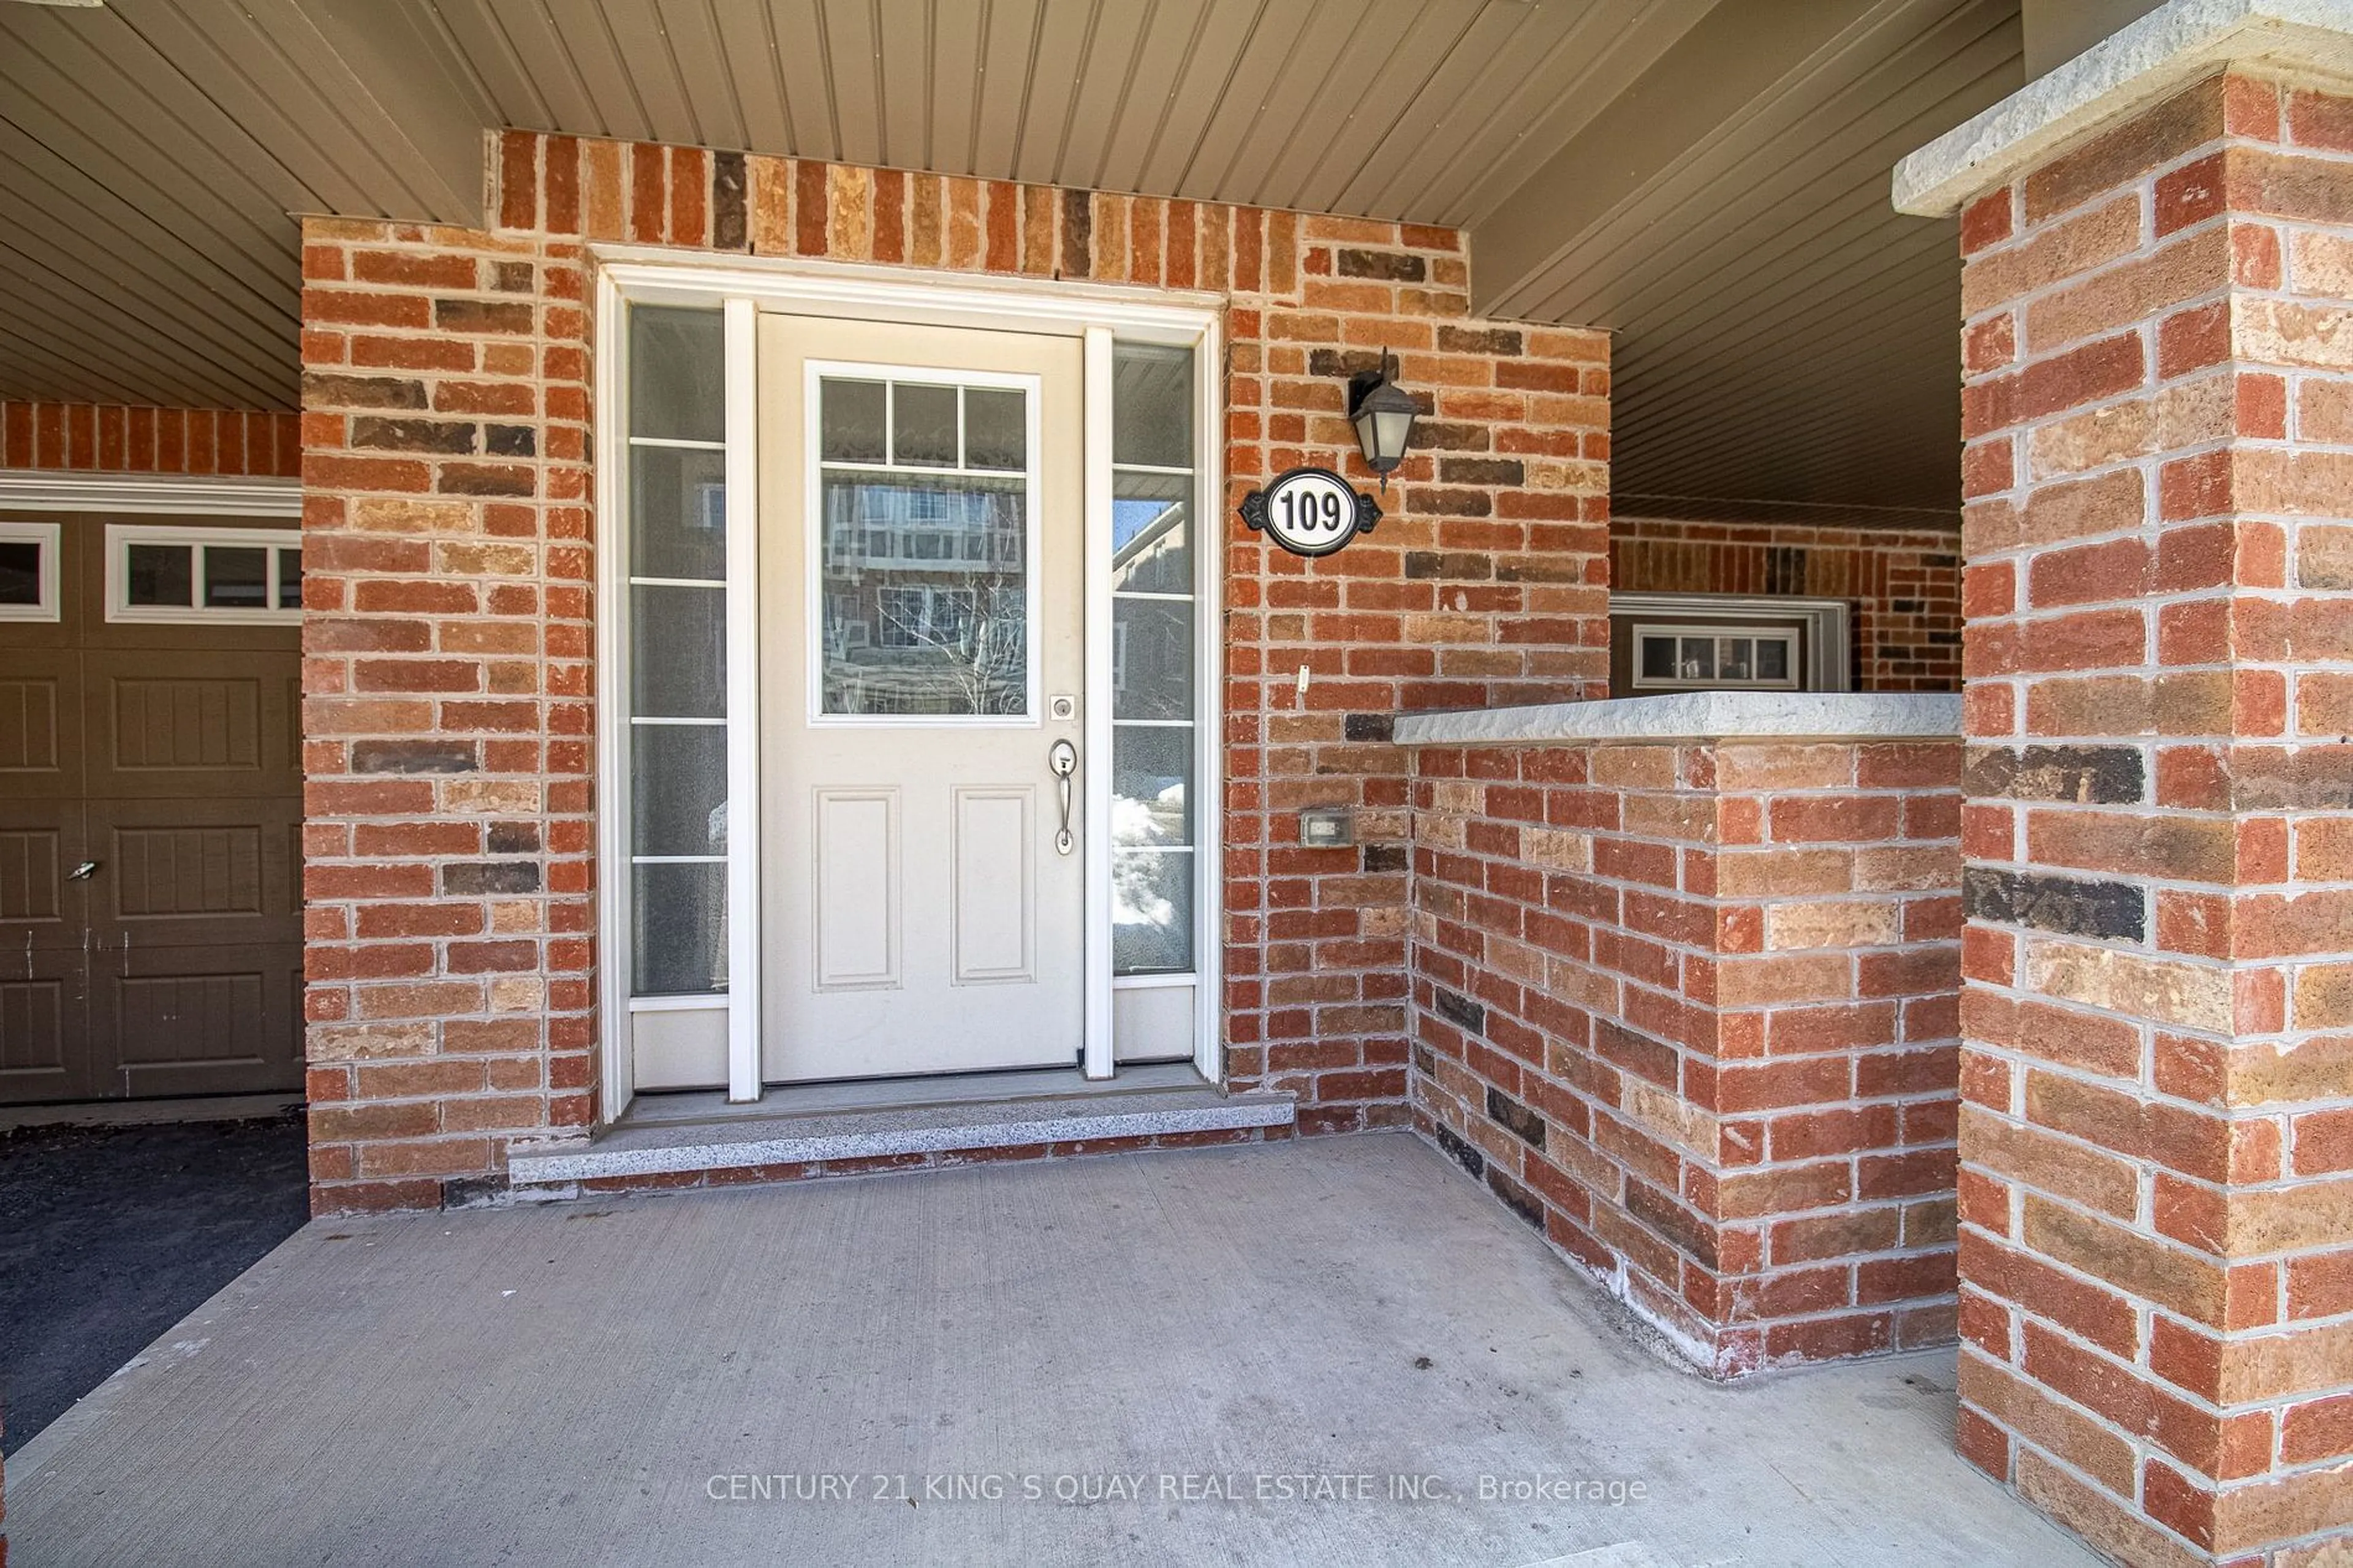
x: 1706, y: 177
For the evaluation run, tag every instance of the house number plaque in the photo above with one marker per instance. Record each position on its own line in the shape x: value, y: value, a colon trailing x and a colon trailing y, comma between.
x: 1310, y: 511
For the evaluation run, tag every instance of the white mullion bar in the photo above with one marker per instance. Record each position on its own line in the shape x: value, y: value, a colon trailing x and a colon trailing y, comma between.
x: 1154, y: 468
x: 682, y: 724
x: 678, y: 583
x: 1095, y: 775
x: 677, y: 443
x: 1207, y: 520
x: 743, y: 587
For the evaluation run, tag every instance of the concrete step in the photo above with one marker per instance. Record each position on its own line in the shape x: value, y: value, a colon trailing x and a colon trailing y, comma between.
x: 759, y: 1137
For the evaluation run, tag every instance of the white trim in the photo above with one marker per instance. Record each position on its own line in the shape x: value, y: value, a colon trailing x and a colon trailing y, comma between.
x: 743, y: 469
x: 1032, y: 388
x: 50, y: 538
x: 121, y: 536
x: 37, y: 490
x: 1102, y: 1054
x: 617, y: 1064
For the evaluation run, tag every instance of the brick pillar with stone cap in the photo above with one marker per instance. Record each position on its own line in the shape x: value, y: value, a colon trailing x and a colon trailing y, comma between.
x: 2157, y: 1139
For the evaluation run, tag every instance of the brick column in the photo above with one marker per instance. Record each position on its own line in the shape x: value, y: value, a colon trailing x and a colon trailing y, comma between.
x: 2157, y: 1237
x: 447, y: 723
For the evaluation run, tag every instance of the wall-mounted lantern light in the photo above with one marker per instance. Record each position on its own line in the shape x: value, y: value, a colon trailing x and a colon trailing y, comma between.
x: 1383, y: 415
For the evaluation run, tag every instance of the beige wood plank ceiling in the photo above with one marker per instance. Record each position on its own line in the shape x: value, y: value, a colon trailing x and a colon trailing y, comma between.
x: 1706, y: 177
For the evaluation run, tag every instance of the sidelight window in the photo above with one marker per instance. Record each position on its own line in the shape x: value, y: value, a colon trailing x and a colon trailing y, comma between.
x: 676, y: 652
x: 1156, y: 740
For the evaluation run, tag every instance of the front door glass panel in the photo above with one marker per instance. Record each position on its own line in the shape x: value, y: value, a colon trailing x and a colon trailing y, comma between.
x: 924, y: 592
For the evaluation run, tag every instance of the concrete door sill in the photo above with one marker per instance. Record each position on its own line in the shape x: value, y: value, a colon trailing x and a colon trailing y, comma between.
x: 813, y: 1126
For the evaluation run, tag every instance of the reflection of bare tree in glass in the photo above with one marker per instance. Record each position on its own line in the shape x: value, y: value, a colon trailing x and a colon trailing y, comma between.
x: 926, y: 603
x: 980, y: 644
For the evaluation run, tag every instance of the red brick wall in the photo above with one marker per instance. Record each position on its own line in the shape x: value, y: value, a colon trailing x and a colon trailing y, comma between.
x: 447, y: 423
x: 110, y: 437
x: 1691, y: 1010
x: 1904, y: 584
x: 2157, y: 1181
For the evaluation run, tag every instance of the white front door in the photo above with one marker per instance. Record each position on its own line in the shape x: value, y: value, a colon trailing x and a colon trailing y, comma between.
x: 923, y: 585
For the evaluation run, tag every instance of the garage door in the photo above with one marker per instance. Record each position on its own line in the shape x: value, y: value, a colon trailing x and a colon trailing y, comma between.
x: 150, y: 806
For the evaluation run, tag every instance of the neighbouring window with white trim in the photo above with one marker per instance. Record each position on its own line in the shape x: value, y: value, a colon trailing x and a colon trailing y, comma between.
x: 1727, y: 642
x: 1155, y: 742
x: 218, y: 577
x: 28, y: 571
x: 1715, y: 657
x: 674, y: 651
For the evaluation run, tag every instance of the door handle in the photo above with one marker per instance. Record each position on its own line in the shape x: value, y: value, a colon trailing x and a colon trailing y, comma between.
x: 1063, y: 758
x: 83, y: 872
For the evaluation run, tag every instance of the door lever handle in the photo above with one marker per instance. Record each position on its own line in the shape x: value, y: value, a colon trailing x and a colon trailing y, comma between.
x: 83, y: 872
x: 1063, y: 758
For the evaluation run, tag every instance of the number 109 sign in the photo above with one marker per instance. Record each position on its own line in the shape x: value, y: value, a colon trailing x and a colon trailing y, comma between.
x: 1310, y: 511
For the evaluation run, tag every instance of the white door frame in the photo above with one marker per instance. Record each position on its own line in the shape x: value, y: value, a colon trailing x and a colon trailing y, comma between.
x: 1099, y: 314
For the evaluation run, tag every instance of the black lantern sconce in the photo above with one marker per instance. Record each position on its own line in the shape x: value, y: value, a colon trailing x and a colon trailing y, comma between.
x: 1383, y: 414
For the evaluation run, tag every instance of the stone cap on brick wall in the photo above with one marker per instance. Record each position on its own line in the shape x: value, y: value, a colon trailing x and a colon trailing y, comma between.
x: 1698, y: 716
x: 2134, y: 66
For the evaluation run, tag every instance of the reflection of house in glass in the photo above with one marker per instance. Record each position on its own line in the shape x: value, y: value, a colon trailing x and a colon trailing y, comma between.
x: 925, y: 594
x: 1148, y: 538
x: 1152, y: 614
x: 1152, y: 708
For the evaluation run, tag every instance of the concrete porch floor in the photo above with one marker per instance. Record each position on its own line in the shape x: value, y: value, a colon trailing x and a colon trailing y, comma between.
x: 570, y: 1383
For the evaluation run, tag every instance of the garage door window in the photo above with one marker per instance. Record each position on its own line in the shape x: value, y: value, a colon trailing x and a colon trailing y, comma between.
x: 28, y: 571
x: 234, y: 577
